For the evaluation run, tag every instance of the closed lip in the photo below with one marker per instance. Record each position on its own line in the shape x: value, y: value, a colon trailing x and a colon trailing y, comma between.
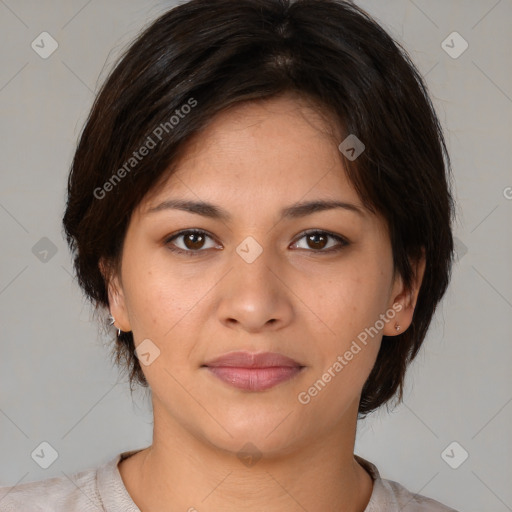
x: 253, y: 360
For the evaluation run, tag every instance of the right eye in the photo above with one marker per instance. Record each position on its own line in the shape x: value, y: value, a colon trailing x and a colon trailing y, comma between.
x: 192, y: 242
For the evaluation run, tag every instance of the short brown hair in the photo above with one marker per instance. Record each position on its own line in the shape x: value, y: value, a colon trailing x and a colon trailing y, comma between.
x: 214, y: 54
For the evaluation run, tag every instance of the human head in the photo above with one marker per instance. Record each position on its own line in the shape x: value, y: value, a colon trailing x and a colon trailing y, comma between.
x: 178, y: 78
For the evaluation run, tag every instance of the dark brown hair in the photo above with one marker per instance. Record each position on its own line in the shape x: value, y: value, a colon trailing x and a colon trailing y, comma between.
x: 204, y: 56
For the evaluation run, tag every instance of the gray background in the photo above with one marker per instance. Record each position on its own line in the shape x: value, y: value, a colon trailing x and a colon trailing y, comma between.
x: 57, y: 383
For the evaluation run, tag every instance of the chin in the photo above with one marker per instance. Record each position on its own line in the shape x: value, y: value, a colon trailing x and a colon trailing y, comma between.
x: 268, y: 435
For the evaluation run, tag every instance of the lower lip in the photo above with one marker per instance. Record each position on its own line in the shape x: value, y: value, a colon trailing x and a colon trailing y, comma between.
x: 254, y: 379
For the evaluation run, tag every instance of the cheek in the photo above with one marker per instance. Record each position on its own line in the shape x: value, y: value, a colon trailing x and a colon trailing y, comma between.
x: 351, y: 299
x: 156, y: 298
x: 163, y: 297
x: 348, y: 306
x: 348, y: 349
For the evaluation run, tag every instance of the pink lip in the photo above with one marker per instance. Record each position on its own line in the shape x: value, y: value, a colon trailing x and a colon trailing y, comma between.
x: 252, y: 360
x: 253, y: 371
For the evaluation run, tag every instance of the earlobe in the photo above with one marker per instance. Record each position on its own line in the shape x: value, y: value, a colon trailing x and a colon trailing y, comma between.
x: 117, y: 304
x: 405, y: 301
x: 398, y: 319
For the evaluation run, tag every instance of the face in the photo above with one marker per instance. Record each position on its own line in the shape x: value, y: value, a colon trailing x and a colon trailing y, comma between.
x: 263, y: 275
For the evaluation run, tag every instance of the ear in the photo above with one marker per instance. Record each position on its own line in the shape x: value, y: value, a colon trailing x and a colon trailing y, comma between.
x: 404, y: 301
x: 116, y: 298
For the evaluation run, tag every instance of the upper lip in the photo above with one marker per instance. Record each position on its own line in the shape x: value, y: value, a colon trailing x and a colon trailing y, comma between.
x: 252, y: 360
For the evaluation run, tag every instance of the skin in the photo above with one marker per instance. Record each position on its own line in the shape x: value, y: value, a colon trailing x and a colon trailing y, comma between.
x: 253, y: 161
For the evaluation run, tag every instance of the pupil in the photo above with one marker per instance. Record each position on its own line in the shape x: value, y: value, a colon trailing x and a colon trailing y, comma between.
x: 313, y: 238
x: 190, y: 239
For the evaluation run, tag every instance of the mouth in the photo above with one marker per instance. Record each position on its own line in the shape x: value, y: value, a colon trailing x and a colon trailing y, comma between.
x: 253, y: 371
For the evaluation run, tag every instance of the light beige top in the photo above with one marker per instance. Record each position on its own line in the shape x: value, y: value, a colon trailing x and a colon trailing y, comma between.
x: 102, y: 490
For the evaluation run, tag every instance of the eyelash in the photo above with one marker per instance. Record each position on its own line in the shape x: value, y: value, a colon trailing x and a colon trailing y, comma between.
x: 344, y: 242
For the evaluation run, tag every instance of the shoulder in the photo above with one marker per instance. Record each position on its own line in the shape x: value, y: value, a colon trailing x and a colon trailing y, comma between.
x: 53, y: 494
x: 407, y: 501
x: 78, y: 491
x: 389, y: 495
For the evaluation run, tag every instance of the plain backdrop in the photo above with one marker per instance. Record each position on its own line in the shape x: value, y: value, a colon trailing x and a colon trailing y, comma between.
x: 57, y: 383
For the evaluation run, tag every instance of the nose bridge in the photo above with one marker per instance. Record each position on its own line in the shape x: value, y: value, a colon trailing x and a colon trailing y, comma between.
x: 253, y: 295
x: 252, y: 264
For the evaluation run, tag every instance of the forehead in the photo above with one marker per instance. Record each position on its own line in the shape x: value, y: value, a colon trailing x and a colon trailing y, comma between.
x: 260, y: 152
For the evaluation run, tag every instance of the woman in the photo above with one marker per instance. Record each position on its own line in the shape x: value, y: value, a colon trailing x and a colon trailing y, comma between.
x: 260, y: 199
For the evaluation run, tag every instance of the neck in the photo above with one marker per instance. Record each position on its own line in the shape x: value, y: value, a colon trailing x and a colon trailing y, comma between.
x: 180, y: 471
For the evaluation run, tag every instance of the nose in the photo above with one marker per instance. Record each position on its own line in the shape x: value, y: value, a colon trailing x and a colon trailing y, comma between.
x: 255, y: 296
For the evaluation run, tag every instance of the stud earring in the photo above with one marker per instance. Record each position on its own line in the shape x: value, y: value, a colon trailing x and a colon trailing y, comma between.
x: 397, y: 327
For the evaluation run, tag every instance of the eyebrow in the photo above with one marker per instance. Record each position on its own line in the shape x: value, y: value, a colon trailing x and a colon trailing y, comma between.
x: 294, y: 211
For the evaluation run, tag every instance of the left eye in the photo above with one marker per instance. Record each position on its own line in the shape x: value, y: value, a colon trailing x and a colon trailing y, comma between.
x: 319, y: 239
x: 193, y: 242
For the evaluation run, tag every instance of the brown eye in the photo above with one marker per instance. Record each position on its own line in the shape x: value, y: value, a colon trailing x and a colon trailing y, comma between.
x: 317, y: 241
x: 190, y: 242
x: 193, y: 241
